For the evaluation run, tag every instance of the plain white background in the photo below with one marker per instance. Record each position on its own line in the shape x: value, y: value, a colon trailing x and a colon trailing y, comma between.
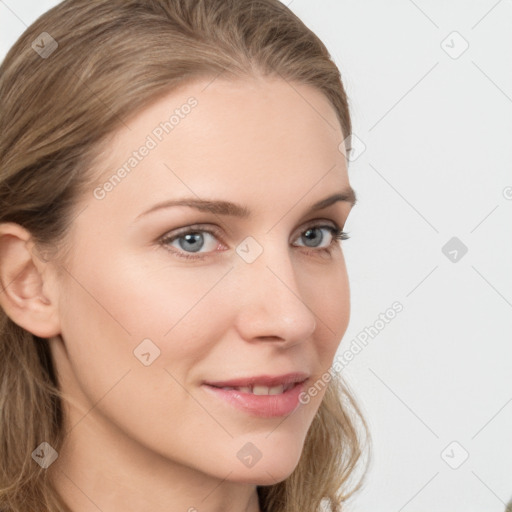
x: 430, y: 89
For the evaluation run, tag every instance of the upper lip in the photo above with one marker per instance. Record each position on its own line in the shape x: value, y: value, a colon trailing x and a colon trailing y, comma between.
x: 261, y: 380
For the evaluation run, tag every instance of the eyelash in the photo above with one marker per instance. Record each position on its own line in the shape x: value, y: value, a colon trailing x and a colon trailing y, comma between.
x: 336, y: 232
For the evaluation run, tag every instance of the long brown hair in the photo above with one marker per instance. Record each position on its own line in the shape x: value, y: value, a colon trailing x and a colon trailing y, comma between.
x: 69, y: 81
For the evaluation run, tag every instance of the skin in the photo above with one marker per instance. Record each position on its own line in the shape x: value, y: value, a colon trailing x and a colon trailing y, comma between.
x: 149, y: 438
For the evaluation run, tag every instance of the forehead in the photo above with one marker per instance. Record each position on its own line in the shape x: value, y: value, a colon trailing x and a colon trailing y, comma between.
x: 227, y: 136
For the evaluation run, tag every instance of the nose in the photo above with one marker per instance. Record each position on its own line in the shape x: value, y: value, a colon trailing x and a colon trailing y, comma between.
x: 271, y: 304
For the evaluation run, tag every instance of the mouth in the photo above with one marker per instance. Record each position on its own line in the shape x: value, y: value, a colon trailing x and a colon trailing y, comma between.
x: 259, y: 389
x: 262, y: 396
x: 261, y: 384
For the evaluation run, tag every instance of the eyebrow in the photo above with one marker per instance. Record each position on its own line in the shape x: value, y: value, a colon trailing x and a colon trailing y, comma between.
x: 221, y: 207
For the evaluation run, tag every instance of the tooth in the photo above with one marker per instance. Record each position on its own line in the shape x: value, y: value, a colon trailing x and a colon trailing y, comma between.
x: 260, y: 390
x: 276, y: 390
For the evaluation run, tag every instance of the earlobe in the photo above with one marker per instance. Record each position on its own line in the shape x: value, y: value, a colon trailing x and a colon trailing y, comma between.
x: 25, y: 293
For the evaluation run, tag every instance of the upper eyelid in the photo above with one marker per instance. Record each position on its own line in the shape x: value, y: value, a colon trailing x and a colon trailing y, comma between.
x: 216, y: 230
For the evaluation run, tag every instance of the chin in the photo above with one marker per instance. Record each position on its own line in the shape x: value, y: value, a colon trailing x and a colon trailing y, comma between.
x: 270, y: 474
x: 272, y: 464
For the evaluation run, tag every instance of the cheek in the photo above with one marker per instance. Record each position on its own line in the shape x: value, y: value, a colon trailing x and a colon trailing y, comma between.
x: 111, y: 310
x: 329, y: 299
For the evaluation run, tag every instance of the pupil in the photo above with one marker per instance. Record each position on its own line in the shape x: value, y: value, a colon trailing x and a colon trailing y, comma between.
x: 311, y: 237
x: 192, y: 238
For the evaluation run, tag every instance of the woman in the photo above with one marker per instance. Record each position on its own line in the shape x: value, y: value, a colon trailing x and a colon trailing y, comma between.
x: 173, y: 191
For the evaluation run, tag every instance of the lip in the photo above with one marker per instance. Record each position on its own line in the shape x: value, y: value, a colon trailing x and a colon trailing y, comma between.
x: 265, y: 406
x: 261, y: 380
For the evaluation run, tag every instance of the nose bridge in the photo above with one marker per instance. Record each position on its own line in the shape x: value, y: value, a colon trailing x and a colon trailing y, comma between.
x: 271, y: 304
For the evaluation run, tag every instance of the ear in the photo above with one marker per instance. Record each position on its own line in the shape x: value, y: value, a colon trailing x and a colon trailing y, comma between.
x: 27, y: 283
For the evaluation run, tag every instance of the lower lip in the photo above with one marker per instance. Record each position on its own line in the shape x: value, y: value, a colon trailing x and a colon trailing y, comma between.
x: 266, y: 406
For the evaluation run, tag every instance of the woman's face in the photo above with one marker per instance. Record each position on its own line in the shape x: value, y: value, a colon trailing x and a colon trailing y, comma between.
x: 157, y: 299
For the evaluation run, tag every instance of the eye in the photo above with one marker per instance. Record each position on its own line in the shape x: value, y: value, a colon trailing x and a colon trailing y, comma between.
x: 314, y: 236
x: 196, y: 242
x: 191, y: 240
